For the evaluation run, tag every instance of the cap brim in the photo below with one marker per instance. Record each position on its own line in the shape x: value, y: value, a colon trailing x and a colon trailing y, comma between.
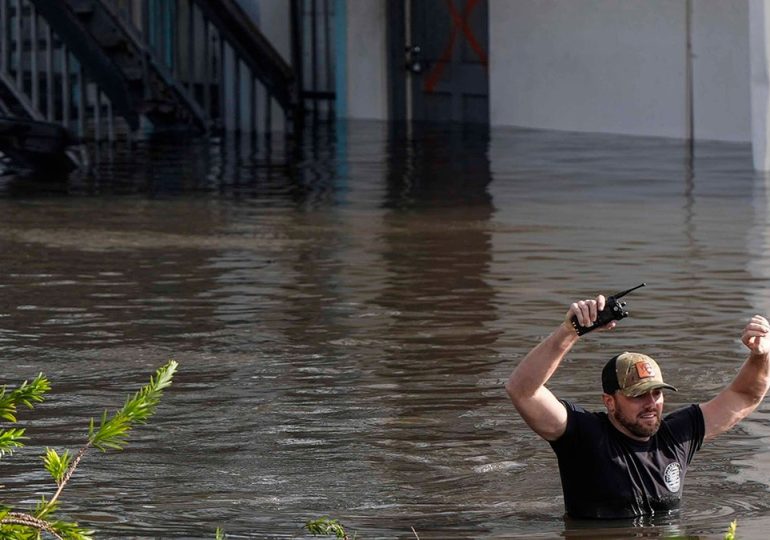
x: 644, y: 387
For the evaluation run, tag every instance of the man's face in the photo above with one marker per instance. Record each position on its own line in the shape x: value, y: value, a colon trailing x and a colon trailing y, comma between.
x: 638, y: 417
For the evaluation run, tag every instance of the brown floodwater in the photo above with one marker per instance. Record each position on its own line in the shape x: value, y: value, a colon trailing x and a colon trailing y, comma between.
x: 345, y: 310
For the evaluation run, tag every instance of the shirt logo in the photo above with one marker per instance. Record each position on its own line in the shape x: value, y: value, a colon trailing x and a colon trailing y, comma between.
x: 672, y: 477
x: 644, y: 370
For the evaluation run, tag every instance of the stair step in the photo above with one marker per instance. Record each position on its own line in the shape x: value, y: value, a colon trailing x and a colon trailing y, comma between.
x: 109, y: 38
x: 81, y: 7
x: 133, y: 72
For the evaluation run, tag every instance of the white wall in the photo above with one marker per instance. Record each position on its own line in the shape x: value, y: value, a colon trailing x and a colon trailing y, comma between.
x: 619, y: 66
x: 367, y: 77
x: 614, y: 66
x: 272, y: 18
x: 365, y: 40
x: 721, y: 70
x: 589, y: 65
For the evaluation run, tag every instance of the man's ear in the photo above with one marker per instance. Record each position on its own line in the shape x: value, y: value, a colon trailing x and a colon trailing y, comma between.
x: 609, y: 402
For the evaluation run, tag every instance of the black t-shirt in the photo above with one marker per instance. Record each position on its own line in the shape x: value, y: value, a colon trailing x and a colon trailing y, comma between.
x: 605, y: 474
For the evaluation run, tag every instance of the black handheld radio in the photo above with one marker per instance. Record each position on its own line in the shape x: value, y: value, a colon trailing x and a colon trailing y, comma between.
x: 613, y: 311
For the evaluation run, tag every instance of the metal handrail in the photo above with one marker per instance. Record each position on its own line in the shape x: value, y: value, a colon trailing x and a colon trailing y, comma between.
x: 43, y: 78
x: 208, y: 52
x: 220, y: 58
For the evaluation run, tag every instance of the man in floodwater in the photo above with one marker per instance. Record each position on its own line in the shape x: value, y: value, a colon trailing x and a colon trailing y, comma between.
x: 630, y: 461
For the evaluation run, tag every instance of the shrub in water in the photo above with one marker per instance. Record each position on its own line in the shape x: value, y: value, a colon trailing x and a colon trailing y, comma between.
x: 109, y: 433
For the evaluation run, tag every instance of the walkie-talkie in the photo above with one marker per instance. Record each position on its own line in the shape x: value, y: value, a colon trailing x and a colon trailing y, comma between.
x: 613, y: 311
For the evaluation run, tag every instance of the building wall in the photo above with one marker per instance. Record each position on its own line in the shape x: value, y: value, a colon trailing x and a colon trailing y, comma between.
x: 620, y: 67
x: 592, y: 65
x: 272, y: 18
x: 612, y: 66
x: 721, y: 70
x: 367, y: 77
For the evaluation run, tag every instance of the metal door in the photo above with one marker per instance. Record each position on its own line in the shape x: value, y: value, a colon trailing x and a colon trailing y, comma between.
x: 447, y: 60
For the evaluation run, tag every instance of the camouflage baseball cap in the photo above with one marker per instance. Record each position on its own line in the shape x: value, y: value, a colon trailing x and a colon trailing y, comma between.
x: 633, y: 374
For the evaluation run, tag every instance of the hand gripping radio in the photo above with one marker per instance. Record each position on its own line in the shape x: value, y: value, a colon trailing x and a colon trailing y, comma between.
x: 613, y: 311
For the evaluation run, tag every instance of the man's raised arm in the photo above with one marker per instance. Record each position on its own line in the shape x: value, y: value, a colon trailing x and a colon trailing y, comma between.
x: 539, y: 408
x: 749, y: 387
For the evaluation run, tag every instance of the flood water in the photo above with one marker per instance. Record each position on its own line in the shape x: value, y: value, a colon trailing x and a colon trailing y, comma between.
x: 345, y: 312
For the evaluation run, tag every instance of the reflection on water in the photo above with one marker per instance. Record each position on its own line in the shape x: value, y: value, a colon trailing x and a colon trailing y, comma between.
x: 345, y: 312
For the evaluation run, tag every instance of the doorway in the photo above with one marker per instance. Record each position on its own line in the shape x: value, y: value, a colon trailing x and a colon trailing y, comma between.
x: 439, y: 60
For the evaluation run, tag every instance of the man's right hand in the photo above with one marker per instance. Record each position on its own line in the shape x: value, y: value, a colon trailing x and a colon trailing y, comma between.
x: 586, y: 312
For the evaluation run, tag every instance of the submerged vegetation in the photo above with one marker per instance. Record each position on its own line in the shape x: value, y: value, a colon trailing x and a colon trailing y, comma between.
x: 327, y: 526
x: 332, y: 527
x: 730, y: 535
x: 108, y: 433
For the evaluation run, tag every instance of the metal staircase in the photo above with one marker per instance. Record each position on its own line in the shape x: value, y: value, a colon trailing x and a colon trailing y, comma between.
x: 114, y: 56
x: 116, y: 69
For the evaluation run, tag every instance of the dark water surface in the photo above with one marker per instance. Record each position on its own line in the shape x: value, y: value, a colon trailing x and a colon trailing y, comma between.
x: 345, y: 314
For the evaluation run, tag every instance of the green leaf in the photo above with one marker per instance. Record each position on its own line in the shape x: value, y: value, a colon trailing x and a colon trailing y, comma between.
x: 18, y: 532
x: 71, y: 531
x: 10, y: 439
x: 27, y: 394
x: 730, y: 535
x: 44, y: 508
x: 113, y: 432
x: 56, y: 465
x: 326, y: 526
x: 31, y: 393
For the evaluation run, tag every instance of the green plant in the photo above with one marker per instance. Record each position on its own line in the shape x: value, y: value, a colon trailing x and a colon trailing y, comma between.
x: 730, y: 535
x: 326, y: 526
x: 110, y: 433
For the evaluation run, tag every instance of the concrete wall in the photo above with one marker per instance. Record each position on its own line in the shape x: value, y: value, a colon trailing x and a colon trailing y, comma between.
x: 620, y: 67
x: 272, y: 18
x: 616, y: 66
x: 591, y: 65
x: 367, y: 77
x: 721, y: 70
x: 365, y: 93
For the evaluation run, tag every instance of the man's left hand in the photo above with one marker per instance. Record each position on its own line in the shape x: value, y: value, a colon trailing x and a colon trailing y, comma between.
x: 756, y: 335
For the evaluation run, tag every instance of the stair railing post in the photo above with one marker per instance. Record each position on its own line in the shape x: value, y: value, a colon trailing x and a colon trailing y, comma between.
x: 222, y: 84
x: 207, y: 60
x: 237, y: 92
x: 65, y: 87
x: 313, y: 55
x: 297, y: 60
x: 252, y: 105
x: 190, y: 47
x: 19, y: 44
x: 110, y: 122
x: 81, y: 102
x: 268, y: 117
x: 328, y: 58
x: 97, y: 112
x: 33, y: 62
x: 49, y: 76
x: 3, y: 36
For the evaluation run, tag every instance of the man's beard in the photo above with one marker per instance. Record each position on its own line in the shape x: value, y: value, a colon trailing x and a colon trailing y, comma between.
x: 635, y: 427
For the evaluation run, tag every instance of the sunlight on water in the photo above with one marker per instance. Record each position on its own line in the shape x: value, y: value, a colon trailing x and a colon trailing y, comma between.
x: 344, y: 321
